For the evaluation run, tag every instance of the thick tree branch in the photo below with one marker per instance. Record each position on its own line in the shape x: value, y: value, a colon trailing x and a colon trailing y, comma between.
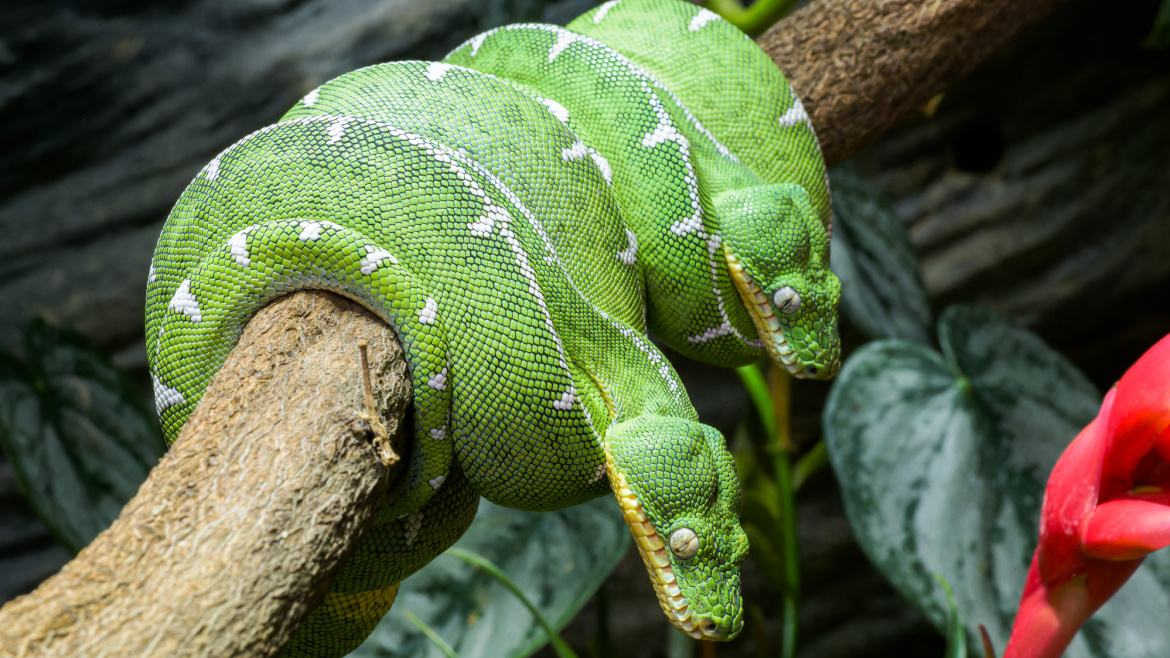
x: 860, y: 65
x: 239, y: 530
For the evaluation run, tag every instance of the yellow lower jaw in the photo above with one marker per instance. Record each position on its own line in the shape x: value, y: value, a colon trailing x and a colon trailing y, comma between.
x: 655, y: 557
x: 763, y: 316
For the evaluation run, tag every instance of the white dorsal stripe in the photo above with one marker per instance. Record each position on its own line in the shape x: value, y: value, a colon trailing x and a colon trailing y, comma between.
x: 602, y: 165
x: 337, y: 129
x: 184, y: 302
x: 447, y: 154
x: 556, y: 108
x: 565, y: 38
x: 438, y: 381
x: 701, y: 19
x: 599, y: 474
x: 567, y: 399
x: 795, y: 114
x: 632, y: 68
x: 413, y: 524
x: 429, y: 312
x: 603, y: 10
x: 238, y: 246
x: 165, y: 397
x: 574, y: 152
x: 712, y: 333
x: 629, y: 255
x: 374, y: 256
x: 437, y: 70
x: 477, y: 41
x: 309, y: 231
x: 481, y: 227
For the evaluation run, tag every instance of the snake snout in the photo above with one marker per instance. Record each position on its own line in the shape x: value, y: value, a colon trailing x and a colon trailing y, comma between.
x: 711, y: 629
x: 717, y: 630
x: 821, y: 372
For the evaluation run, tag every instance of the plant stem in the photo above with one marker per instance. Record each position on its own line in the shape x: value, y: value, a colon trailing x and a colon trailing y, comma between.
x: 430, y: 633
x: 602, y: 648
x: 780, y: 443
x: 559, y: 646
x: 773, y: 401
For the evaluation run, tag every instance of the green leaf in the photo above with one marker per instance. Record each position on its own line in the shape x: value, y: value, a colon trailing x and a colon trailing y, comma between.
x: 1159, y: 37
x: 882, y: 292
x: 78, y: 434
x: 557, y: 559
x: 942, y: 460
x: 809, y: 463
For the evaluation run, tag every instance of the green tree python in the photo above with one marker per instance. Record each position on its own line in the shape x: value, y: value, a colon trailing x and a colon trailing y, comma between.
x: 523, y: 213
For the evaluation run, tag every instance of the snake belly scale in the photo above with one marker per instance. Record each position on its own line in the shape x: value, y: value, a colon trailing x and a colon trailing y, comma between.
x: 522, y: 214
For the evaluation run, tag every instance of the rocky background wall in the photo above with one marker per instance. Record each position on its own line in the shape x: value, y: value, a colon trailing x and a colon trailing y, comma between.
x: 1040, y: 188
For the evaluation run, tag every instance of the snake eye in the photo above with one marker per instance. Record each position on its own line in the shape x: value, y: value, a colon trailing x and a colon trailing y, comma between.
x: 786, y: 300
x: 684, y: 543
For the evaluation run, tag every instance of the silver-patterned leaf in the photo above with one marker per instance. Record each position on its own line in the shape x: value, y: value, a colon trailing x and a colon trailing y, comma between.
x: 78, y: 434
x: 558, y: 559
x: 942, y: 460
x: 881, y: 286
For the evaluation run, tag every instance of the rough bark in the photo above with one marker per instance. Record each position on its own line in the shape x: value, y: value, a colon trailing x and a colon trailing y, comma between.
x: 1041, y: 186
x: 199, y: 561
x: 862, y: 65
x: 239, y: 530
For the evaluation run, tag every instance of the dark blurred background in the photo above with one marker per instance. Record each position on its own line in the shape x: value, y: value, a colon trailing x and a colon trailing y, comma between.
x: 1039, y: 188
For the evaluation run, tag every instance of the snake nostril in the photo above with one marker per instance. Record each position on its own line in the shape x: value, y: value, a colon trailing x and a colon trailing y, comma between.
x: 812, y: 371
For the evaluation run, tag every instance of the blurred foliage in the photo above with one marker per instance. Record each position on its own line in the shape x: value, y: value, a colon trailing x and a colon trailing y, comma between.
x: 753, y: 19
x: 1159, y: 37
x: 78, y: 433
x: 881, y: 287
x: 554, y: 560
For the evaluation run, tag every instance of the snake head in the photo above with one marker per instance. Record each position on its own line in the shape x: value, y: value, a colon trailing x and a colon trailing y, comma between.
x: 677, y: 487
x: 777, y: 253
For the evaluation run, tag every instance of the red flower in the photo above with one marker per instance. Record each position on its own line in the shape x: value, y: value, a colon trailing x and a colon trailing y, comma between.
x: 1106, y: 506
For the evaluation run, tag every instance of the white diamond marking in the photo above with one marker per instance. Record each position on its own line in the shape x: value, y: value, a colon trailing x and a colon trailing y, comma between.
x: 185, y: 303
x: 701, y: 19
x: 429, y: 312
x: 337, y: 129
x: 165, y: 397
x: 574, y: 152
x: 437, y: 70
x: 567, y: 399
x: 629, y: 255
x: 438, y: 381
x: 795, y: 115
x: 374, y: 257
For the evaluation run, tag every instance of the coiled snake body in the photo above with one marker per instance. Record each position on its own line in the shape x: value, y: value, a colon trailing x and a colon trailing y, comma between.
x: 522, y: 213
